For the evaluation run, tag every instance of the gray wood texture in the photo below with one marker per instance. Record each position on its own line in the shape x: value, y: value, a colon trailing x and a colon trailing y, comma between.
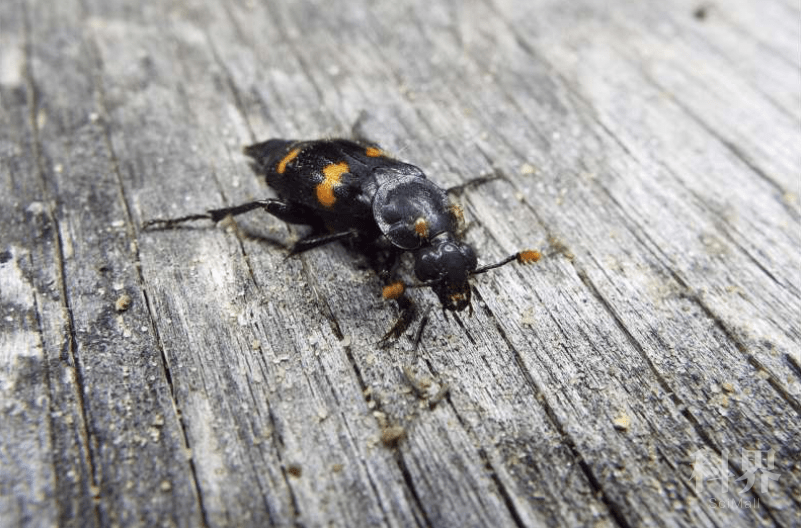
x: 194, y: 377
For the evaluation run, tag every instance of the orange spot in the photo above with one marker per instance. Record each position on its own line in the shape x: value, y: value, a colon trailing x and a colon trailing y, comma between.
x: 421, y: 227
x: 286, y: 159
x: 457, y: 213
x: 456, y: 298
x: 373, y: 152
x: 394, y: 290
x: 325, y: 189
x: 528, y: 256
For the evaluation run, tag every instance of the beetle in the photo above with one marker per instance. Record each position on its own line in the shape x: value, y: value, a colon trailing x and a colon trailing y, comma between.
x: 353, y: 190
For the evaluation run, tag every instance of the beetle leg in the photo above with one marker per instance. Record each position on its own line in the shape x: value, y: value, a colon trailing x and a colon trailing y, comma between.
x: 418, y: 336
x: 458, y: 189
x: 288, y: 212
x: 313, y: 241
x: 357, y: 129
x: 408, y: 311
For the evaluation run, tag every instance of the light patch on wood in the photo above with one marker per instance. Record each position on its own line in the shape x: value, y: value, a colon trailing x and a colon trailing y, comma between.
x: 286, y: 160
x: 122, y: 303
x: 332, y: 174
x: 16, y: 288
x: 622, y: 422
x: 12, y: 64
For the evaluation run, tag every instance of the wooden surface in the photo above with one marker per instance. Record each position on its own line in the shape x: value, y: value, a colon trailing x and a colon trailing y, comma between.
x: 652, y: 152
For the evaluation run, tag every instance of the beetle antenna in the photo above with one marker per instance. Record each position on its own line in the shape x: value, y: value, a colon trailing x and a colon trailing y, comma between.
x: 523, y: 257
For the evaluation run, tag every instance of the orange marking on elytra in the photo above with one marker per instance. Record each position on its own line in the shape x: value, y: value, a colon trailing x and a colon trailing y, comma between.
x: 373, y: 152
x: 287, y: 159
x: 332, y: 174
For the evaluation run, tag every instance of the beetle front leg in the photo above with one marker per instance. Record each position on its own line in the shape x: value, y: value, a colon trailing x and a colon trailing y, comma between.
x: 313, y: 241
x: 408, y: 311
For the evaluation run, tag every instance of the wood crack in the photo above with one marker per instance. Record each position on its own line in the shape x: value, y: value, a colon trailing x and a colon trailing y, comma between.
x: 679, y: 404
x: 399, y: 459
x: 616, y: 510
x: 131, y: 232
x: 731, y: 147
x: 69, y: 353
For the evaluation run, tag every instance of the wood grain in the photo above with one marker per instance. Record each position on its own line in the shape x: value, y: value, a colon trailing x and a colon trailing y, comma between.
x: 198, y: 377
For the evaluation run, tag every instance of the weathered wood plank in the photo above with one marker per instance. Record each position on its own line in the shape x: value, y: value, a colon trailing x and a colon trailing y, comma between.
x: 241, y: 388
x: 45, y: 469
x: 129, y: 425
x: 477, y: 507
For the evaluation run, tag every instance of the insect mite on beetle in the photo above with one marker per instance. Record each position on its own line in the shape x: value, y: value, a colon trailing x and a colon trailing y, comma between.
x: 353, y: 190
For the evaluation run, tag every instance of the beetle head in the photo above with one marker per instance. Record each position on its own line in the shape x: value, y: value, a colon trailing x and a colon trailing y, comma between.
x: 446, y: 264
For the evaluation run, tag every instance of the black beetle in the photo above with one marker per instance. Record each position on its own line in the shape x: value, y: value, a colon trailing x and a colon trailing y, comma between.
x: 353, y: 190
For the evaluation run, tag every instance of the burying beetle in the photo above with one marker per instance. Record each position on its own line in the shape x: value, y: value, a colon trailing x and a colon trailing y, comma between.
x: 353, y: 190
